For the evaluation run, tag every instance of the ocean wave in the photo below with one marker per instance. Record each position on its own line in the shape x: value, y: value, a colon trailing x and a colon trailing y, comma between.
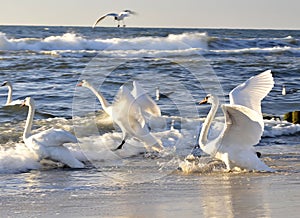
x: 73, y: 42
x: 276, y: 49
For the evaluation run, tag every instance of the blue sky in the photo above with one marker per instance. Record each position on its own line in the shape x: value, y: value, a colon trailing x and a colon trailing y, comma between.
x: 155, y: 13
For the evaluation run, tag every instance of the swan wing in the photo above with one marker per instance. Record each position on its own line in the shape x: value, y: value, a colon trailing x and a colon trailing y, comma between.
x: 243, y: 127
x: 54, y: 137
x: 104, y: 16
x: 251, y: 92
x: 146, y: 103
x: 127, y: 110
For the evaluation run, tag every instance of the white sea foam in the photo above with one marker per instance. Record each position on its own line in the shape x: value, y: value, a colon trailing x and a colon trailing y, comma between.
x: 17, y: 159
x: 275, y: 49
x: 71, y: 41
x: 275, y: 128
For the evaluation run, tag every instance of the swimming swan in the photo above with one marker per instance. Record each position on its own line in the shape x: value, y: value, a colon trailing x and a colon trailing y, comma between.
x: 126, y: 113
x: 118, y: 17
x: 9, y: 101
x: 243, y: 124
x: 48, y: 144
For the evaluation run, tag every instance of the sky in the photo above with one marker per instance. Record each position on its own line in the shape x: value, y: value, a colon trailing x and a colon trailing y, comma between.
x: 266, y: 14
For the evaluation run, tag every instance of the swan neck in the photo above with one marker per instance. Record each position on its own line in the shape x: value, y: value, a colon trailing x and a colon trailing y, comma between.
x: 29, y: 120
x: 9, y: 95
x: 207, y: 123
x: 101, y: 98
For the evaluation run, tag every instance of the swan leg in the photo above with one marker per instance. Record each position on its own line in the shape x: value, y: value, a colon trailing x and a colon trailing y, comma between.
x: 258, y: 154
x: 120, y: 146
x: 196, y: 152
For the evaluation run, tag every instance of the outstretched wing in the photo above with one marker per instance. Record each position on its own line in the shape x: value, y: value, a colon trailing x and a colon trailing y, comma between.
x: 127, y: 110
x: 104, y: 16
x: 243, y: 126
x: 251, y: 92
x: 129, y: 12
x: 55, y: 137
x: 144, y: 100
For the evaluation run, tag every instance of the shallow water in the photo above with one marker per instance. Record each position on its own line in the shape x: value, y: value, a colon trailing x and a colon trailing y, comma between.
x: 47, y: 62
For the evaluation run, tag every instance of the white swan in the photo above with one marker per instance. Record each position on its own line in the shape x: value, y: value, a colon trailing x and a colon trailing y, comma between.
x: 9, y: 101
x: 126, y: 113
x: 118, y: 17
x: 243, y: 124
x: 48, y: 144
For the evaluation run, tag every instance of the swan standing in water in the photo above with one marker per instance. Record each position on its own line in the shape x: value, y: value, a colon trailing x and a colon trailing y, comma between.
x: 9, y: 101
x: 48, y: 144
x: 118, y: 17
x: 127, y: 114
x: 243, y: 124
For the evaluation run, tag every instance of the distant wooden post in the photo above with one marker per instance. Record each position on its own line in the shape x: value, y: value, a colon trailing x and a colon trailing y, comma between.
x: 292, y: 117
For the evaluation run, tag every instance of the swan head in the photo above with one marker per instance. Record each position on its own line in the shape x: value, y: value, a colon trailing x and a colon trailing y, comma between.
x: 6, y: 83
x: 28, y: 101
x: 84, y: 83
x: 209, y: 99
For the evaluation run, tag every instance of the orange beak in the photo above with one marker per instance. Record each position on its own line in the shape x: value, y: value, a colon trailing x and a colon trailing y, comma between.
x: 23, y: 104
x: 204, y: 101
x: 79, y: 84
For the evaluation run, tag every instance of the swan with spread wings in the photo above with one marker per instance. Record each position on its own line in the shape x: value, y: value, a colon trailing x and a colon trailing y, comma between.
x: 243, y: 125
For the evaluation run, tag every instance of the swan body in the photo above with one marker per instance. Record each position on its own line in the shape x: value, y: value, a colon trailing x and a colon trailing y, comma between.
x: 243, y: 125
x: 48, y: 144
x: 9, y: 101
x: 118, y: 17
x: 127, y: 114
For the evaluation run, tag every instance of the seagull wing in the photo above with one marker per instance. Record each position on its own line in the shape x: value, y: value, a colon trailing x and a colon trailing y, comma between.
x: 251, y: 92
x: 129, y: 12
x: 104, y: 16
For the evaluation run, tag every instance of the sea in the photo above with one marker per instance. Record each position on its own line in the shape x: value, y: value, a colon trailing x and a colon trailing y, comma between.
x: 47, y: 62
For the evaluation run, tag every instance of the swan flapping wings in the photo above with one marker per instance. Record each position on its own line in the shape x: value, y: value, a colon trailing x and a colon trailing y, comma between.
x: 251, y: 92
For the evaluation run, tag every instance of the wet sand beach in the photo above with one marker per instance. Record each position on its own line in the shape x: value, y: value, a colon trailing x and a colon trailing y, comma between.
x: 90, y: 193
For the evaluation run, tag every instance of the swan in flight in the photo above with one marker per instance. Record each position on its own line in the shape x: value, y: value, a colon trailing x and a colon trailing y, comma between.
x: 127, y: 114
x: 48, y: 144
x: 9, y: 101
x: 243, y: 126
x: 118, y: 17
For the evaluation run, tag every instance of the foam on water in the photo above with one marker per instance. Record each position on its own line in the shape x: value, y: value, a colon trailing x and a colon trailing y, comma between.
x: 71, y: 42
x: 16, y: 158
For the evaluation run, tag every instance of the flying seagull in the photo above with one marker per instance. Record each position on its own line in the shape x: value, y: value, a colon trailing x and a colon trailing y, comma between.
x: 118, y: 17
